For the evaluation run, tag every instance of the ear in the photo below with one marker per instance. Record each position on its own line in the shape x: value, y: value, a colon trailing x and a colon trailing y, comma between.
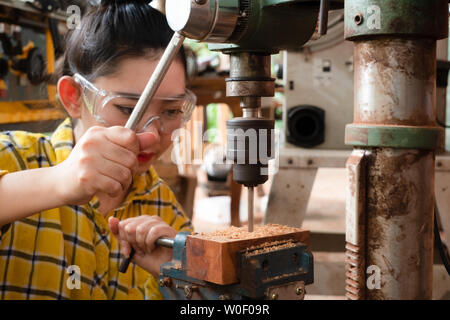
x: 70, y: 95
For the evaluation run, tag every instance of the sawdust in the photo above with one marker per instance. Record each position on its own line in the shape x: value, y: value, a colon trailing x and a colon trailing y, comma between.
x: 241, y: 233
x: 177, y: 266
x: 270, y: 246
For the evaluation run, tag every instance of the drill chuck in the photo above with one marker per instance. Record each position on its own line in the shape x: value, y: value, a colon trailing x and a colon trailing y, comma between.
x: 250, y: 147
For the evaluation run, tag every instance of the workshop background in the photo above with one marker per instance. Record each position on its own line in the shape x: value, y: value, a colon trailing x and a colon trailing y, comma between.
x: 312, y: 104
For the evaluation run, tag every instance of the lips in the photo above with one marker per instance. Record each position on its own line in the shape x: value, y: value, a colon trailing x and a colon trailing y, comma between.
x: 144, y: 157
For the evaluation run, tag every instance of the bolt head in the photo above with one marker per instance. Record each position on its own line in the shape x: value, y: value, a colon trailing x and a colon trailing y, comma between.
x: 165, y: 282
x: 274, y: 296
x: 299, y: 291
x: 188, y: 292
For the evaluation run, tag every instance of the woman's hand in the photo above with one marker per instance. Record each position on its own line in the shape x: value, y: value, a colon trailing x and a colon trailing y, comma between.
x: 141, y: 233
x: 102, y: 162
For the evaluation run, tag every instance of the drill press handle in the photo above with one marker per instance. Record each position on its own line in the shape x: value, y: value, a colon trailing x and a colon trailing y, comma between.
x: 144, y: 101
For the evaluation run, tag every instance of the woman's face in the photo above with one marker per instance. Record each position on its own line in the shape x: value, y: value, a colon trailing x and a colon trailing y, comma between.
x: 131, y: 77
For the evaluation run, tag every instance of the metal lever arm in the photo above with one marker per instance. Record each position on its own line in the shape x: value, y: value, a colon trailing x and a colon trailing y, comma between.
x: 144, y: 101
x: 165, y: 242
x: 155, y: 80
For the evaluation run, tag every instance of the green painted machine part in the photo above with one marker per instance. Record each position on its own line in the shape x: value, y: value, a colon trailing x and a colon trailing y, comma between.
x: 266, y: 26
x: 408, y: 137
x: 365, y: 18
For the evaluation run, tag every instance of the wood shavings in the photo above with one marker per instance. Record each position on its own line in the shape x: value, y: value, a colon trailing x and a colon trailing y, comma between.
x: 241, y: 233
x: 270, y: 246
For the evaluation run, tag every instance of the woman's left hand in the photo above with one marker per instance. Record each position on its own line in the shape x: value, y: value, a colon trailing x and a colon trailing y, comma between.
x: 141, y: 233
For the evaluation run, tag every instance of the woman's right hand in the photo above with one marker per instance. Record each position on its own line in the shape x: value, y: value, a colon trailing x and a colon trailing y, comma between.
x: 103, y: 161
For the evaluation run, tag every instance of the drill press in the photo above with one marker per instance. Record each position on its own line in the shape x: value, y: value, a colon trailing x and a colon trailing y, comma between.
x: 250, y: 138
x: 249, y: 31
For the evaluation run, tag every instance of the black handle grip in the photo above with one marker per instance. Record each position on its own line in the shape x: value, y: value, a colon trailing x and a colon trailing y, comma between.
x: 125, y: 262
x: 163, y: 242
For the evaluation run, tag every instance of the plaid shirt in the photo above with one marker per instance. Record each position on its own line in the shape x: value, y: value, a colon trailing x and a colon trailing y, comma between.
x: 44, y: 255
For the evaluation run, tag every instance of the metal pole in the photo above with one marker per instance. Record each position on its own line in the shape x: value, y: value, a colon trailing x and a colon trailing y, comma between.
x: 395, y: 125
x: 155, y: 80
x: 395, y: 85
x: 165, y: 242
x: 144, y: 102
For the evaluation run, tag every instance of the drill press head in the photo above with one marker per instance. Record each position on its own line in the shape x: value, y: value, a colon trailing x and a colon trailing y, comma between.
x: 245, y: 25
x: 250, y: 138
x: 249, y: 30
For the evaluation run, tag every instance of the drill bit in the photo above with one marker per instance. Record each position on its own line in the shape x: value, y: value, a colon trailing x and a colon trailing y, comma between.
x: 250, y: 209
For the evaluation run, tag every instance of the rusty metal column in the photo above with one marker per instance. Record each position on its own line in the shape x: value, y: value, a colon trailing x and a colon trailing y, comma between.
x: 395, y: 127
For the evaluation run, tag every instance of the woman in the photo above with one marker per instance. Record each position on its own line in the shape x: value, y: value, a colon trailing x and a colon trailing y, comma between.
x: 55, y: 239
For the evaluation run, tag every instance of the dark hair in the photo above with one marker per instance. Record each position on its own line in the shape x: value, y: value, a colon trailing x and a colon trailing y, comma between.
x: 111, y: 31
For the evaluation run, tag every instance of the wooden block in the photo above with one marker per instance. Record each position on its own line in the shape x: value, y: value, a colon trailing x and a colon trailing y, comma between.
x: 213, y: 257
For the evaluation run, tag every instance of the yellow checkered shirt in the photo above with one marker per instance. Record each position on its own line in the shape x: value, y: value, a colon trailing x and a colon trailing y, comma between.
x: 44, y: 255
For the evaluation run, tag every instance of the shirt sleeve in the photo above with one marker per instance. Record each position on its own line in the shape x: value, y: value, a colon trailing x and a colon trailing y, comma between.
x: 9, y: 162
x: 173, y: 214
x: 10, y: 157
x: 19, y: 150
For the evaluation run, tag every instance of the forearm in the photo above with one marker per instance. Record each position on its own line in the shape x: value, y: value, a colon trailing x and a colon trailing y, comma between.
x: 24, y: 193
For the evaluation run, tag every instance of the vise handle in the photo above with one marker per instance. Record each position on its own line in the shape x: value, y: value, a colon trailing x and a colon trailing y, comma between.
x: 163, y: 242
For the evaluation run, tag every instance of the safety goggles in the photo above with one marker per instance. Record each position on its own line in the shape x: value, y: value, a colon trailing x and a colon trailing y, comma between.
x: 114, y: 109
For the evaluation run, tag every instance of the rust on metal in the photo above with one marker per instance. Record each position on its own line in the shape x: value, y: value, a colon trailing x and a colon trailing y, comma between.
x: 355, y: 277
x: 395, y: 82
x: 250, y: 88
x: 400, y: 198
x: 395, y: 85
x: 391, y: 193
x: 355, y: 226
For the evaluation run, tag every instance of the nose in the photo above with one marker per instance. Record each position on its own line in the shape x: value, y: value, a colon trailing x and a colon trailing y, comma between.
x: 147, y: 139
x: 154, y: 128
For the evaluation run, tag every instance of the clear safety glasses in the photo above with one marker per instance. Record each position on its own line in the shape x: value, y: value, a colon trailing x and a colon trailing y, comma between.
x: 114, y: 109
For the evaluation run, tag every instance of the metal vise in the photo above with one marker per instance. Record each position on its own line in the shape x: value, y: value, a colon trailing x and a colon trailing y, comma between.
x: 277, y: 272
